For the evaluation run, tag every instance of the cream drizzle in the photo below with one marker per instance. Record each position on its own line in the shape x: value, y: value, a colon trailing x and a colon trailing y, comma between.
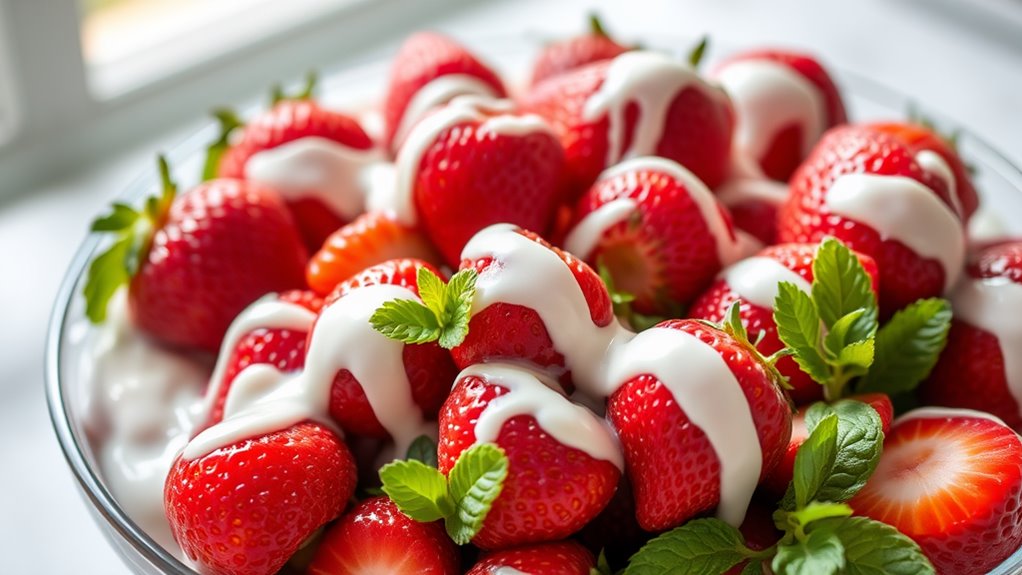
x: 755, y: 280
x: 437, y: 92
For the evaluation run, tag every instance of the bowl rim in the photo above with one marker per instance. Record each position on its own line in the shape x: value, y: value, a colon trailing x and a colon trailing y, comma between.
x: 102, y: 500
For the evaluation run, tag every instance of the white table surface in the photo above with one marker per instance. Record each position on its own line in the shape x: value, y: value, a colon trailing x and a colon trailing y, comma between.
x: 962, y: 65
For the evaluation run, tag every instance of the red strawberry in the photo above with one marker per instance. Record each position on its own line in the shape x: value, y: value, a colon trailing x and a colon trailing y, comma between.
x: 754, y: 282
x: 244, y: 509
x: 865, y: 188
x: 374, y: 537
x: 555, y: 482
x: 948, y: 165
x: 777, y: 482
x: 263, y: 342
x: 429, y: 367
x: 424, y: 58
x: 372, y: 238
x: 638, y: 104
x: 311, y: 155
x: 783, y: 102
x: 981, y: 366
x: 615, y: 530
x: 566, y: 55
x: 510, y: 331
x: 561, y: 558
x: 476, y: 163
x: 675, y: 470
x: 658, y: 230
x: 195, y: 261
x: 952, y: 481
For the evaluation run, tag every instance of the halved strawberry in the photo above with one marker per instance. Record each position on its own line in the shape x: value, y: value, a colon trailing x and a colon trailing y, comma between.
x: 372, y: 238
x: 952, y: 481
x: 561, y: 558
x: 374, y: 538
x: 562, y: 56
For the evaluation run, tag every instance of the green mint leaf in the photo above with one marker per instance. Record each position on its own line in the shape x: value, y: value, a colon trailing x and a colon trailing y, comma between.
x: 602, y: 565
x: 229, y: 122
x: 841, y: 286
x: 860, y: 442
x: 907, y: 347
x: 839, y: 336
x: 753, y: 567
x: 457, y: 308
x: 821, y: 553
x: 856, y: 357
x: 423, y: 449
x: 432, y: 292
x: 798, y: 326
x: 476, y: 481
x: 418, y: 490
x: 817, y: 511
x: 814, y: 460
x: 699, y: 546
x: 875, y: 548
x: 406, y: 320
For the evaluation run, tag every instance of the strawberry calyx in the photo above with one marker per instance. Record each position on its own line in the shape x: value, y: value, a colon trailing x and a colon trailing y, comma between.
x: 133, y: 232
x: 442, y: 315
x: 621, y: 300
x: 596, y: 26
x: 697, y: 52
x: 733, y: 326
x: 278, y: 95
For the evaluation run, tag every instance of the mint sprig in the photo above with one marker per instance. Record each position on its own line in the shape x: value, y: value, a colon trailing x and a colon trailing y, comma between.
x: 907, y: 347
x: 462, y: 500
x: 442, y: 316
x: 699, y: 546
x: 423, y: 449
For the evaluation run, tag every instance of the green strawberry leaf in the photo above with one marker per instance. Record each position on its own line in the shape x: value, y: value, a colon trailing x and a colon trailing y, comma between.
x: 875, y: 548
x: 423, y: 449
x: 406, y: 320
x: 475, y: 482
x: 798, y: 326
x: 602, y: 565
x: 820, y: 553
x: 699, y: 546
x: 418, y: 490
x: 229, y: 122
x: 842, y: 286
x: 907, y: 347
x: 814, y: 460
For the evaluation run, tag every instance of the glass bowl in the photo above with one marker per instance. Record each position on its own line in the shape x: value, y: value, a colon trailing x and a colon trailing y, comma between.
x: 999, y: 181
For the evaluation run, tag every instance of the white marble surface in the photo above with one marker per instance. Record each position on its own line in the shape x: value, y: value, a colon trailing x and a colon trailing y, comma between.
x: 960, y: 64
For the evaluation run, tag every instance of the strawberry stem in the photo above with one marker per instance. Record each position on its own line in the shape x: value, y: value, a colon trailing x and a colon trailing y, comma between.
x: 596, y: 27
x: 229, y: 121
x: 695, y: 56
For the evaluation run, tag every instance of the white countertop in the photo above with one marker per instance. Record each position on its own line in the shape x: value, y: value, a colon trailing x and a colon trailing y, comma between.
x: 962, y: 64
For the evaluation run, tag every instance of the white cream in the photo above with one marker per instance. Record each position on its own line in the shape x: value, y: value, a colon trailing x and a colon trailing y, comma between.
x: 584, y: 237
x: 755, y: 280
x: 945, y: 412
x: 995, y: 305
x: 528, y: 394
x: 768, y: 97
x: 902, y: 209
x: 987, y: 226
x: 651, y: 80
x: 435, y: 93
x: 315, y: 167
x: 494, y: 117
x: 342, y: 339
x: 933, y: 163
x: 505, y: 570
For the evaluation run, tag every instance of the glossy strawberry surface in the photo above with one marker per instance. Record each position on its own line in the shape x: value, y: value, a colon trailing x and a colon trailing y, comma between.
x: 561, y: 558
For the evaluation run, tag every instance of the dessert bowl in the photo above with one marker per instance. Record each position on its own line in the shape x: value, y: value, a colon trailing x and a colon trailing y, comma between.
x: 72, y: 339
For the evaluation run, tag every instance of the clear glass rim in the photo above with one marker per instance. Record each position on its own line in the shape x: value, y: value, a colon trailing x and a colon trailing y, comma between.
x: 71, y: 443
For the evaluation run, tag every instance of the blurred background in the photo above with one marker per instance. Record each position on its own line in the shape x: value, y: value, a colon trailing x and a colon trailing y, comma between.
x: 91, y: 89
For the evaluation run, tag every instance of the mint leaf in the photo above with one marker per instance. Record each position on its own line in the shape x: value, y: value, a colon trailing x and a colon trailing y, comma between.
x: 821, y: 553
x: 418, y: 490
x: 432, y: 292
x: 816, y: 511
x: 423, y: 449
x: 476, y: 481
x: 798, y: 326
x: 907, y: 347
x: 856, y: 357
x: 842, y: 286
x: 840, y: 334
x: 875, y: 548
x: 859, y: 443
x: 406, y: 320
x: 699, y: 546
x: 814, y: 460
x: 457, y: 308
x: 753, y: 567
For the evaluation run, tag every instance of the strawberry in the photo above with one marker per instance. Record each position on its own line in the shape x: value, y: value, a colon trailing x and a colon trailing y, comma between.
x: 562, y: 463
x: 423, y: 59
x: 310, y: 154
x: 429, y: 368
x: 565, y: 55
x: 939, y: 155
x: 759, y: 531
x: 952, y: 481
x: 866, y: 188
x: 615, y: 531
x: 374, y: 537
x: 561, y: 558
x: 245, y: 508
x: 508, y: 331
x: 263, y: 343
x: 373, y: 238
x: 754, y: 282
x: 658, y: 230
x: 638, y: 104
x: 476, y: 163
x: 193, y: 262
x: 979, y: 368
x: 674, y: 469
x: 783, y: 101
